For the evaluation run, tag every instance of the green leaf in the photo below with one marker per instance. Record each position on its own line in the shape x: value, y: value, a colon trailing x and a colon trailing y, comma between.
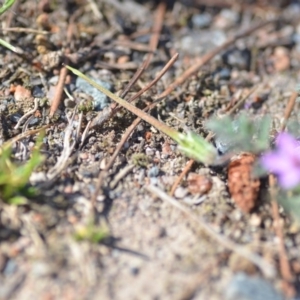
x: 6, y: 5
x: 190, y: 144
x: 196, y: 147
x: 91, y: 233
x: 243, y: 133
x: 13, y: 177
x: 17, y: 200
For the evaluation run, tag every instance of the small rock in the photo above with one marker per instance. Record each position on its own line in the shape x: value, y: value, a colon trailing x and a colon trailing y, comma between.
x: 240, y: 264
x: 227, y: 18
x: 201, y: 20
x: 37, y: 92
x: 199, y: 184
x: 281, y: 59
x: 244, y: 287
x: 100, y: 100
x: 255, y: 220
x: 180, y: 192
x: 21, y: 93
x: 237, y: 58
x: 149, y: 151
x: 10, y: 268
x: 153, y: 172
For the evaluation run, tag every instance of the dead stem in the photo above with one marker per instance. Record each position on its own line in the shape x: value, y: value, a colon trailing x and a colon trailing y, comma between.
x: 23, y: 135
x: 285, y: 269
x: 29, y: 113
x: 207, y: 57
x: 132, y: 127
x: 27, y: 30
x: 266, y: 268
x: 289, y: 109
x: 181, y: 176
x: 66, y: 152
x: 156, y: 29
x: 59, y: 90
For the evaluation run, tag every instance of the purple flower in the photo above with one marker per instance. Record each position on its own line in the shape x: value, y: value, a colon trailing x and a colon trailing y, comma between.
x: 284, y: 161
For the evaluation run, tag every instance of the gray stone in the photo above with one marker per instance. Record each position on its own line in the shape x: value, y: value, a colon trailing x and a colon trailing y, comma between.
x: 244, y: 287
x: 100, y: 100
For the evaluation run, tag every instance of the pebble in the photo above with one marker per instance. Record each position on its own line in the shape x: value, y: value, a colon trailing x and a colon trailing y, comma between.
x: 21, y: 93
x: 227, y: 18
x: 238, y: 58
x: 37, y: 92
x: 200, y: 41
x: 201, y: 20
x: 149, y: 151
x: 244, y: 287
x: 240, y: 264
x: 199, y: 184
x: 255, y: 220
x: 281, y: 59
x: 100, y: 100
x: 153, y: 172
x: 180, y: 192
x: 15, y: 117
x: 10, y: 268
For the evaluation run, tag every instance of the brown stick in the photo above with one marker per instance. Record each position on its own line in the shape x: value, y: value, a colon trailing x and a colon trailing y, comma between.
x: 285, y: 268
x: 156, y: 29
x: 132, y: 127
x: 59, y: 90
x: 289, y: 109
x: 207, y: 57
x: 180, y: 177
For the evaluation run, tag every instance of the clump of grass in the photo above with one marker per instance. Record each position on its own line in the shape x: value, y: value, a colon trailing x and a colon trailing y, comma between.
x: 14, y: 178
x: 5, y: 6
x: 92, y: 233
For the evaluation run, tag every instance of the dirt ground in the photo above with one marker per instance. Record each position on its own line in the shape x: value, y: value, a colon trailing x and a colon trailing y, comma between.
x: 104, y: 228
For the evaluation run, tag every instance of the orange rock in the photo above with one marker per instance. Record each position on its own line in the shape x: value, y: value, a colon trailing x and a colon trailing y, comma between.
x: 21, y: 93
x: 281, y: 59
x: 199, y: 184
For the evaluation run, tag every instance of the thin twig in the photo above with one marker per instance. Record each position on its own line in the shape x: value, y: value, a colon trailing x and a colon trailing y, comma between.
x: 207, y: 57
x: 29, y: 113
x: 289, y: 109
x: 241, y: 101
x: 23, y: 135
x: 285, y: 268
x: 66, y: 152
x: 180, y: 177
x: 95, y: 9
x: 27, y: 30
x: 157, y: 78
x: 156, y: 29
x: 130, y: 129
x: 266, y: 268
x: 59, y: 90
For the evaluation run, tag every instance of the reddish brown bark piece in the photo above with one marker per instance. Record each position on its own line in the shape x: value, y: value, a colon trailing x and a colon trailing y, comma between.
x: 242, y: 186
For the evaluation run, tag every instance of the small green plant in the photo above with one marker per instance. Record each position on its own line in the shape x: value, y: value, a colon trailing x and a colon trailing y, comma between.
x: 92, y: 233
x: 5, y: 6
x: 242, y: 133
x: 14, y: 178
x: 191, y: 144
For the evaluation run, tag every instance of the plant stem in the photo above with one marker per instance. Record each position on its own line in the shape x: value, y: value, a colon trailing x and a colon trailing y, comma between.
x: 141, y: 114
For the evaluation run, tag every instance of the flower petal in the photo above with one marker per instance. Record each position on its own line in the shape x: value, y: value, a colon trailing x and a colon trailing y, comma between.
x: 286, y: 143
x: 289, y: 179
x: 277, y: 162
